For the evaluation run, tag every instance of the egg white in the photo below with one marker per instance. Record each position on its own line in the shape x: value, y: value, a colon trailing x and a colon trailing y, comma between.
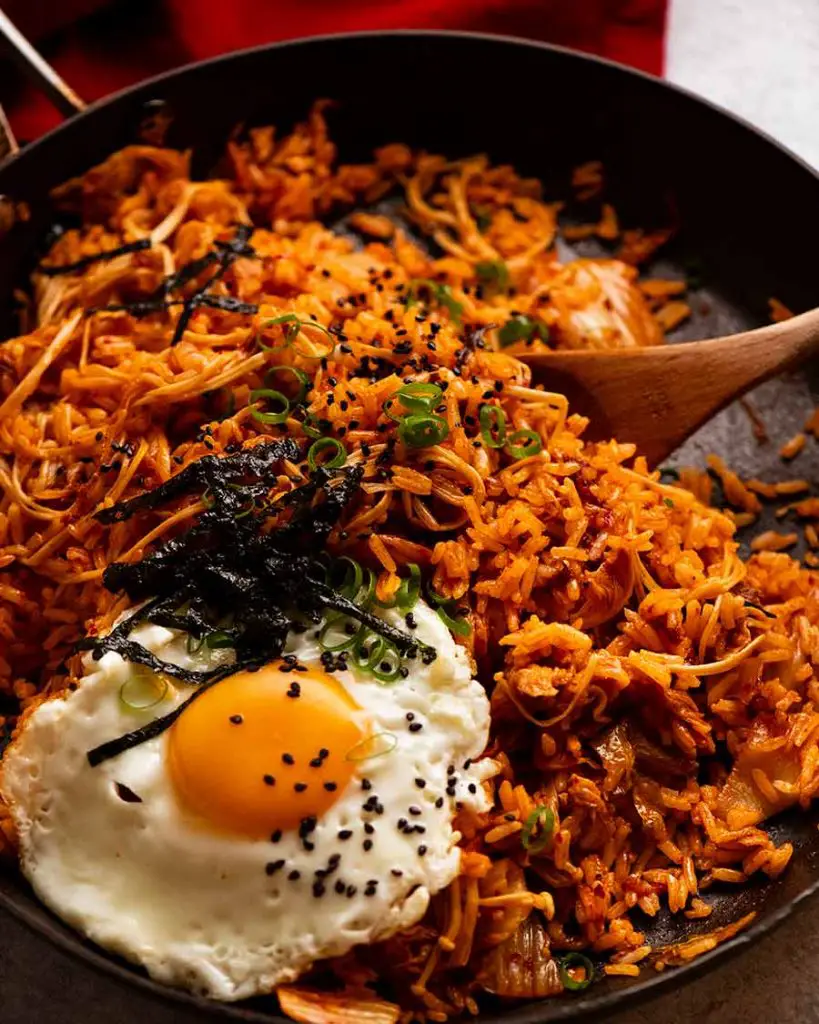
x: 196, y: 908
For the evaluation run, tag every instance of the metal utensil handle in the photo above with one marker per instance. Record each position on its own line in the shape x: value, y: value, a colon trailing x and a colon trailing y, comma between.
x: 40, y: 73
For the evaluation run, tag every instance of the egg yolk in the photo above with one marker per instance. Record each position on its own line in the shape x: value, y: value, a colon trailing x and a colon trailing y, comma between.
x: 261, y: 751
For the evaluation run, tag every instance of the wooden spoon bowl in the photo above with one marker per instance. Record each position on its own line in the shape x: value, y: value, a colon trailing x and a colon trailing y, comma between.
x: 657, y: 397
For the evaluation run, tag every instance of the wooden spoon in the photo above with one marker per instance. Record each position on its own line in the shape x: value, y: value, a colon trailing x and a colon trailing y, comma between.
x: 657, y: 397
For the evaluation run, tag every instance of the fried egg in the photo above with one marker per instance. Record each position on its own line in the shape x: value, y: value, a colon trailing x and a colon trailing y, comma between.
x: 287, y: 815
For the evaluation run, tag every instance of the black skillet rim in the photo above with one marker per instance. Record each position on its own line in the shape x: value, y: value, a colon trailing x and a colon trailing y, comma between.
x: 27, y: 909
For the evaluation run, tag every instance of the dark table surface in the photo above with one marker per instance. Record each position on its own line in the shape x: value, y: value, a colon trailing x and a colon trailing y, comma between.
x: 774, y: 981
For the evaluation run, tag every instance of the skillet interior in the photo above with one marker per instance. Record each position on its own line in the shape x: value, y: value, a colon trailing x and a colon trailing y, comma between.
x: 746, y: 210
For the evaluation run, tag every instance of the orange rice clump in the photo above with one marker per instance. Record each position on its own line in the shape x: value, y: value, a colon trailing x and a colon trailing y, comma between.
x: 649, y: 688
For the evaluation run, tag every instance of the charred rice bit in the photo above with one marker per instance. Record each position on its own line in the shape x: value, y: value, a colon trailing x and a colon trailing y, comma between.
x: 630, y: 654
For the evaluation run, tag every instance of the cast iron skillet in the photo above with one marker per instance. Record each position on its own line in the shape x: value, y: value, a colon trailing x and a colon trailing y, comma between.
x: 746, y: 209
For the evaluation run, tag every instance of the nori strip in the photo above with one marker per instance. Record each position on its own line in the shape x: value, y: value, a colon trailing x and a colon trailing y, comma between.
x: 87, y: 261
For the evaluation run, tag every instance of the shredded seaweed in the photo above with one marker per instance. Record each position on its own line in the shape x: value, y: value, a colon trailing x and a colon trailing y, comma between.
x: 250, y: 569
x: 221, y: 257
x: 86, y: 261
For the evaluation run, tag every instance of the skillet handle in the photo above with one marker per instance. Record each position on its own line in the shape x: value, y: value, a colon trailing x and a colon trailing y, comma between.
x: 40, y: 73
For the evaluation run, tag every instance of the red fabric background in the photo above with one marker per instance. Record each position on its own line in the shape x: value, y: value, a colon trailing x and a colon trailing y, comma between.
x: 100, y: 54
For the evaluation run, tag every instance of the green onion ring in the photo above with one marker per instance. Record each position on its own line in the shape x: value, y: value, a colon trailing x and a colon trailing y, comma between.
x: 345, y: 644
x: 359, y: 752
x: 271, y: 396
x: 130, y: 699
x: 218, y: 639
x: 349, y: 586
x: 300, y: 375
x: 311, y: 426
x: 409, y: 590
x: 388, y: 675
x: 543, y: 816
x: 492, y: 417
x: 519, y: 451
x: 420, y: 430
x: 565, y: 963
x: 325, y: 444
x: 420, y: 396
x: 368, y: 649
x: 460, y: 627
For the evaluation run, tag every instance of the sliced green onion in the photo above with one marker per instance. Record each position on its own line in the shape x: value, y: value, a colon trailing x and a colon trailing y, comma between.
x: 388, y: 667
x: 207, y: 498
x: 409, y: 590
x: 353, y: 577
x: 376, y: 745
x: 314, y: 427
x: 293, y: 327
x: 365, y: 597
x: 143, y: 690
x: 420, y: 430
x: 493, y: 425
x: 493, y: 275
x: 301, y: 377
x: 437, y: 598
x: 218, y: 639
x: 522, y: 328
x: 570, y: 961
x: 419, y: 396
x: 668, y: 502
x: 244, y: 512
x: 368, y: 649
x: 518, y: 450
x: 544, y: 818
x: 341, y: 624
x: 460, y: 627
x: 326, y: 444
x: 194, y: 644
x: 271, y: 396
x: 440, y: 293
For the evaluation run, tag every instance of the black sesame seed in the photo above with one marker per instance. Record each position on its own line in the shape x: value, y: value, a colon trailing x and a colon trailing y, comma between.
x: 472, y: 787
x: 397, y: 872
x: 236, y: 719
x: 318, y: 889
x: 288, y: 759
x: 439, y: 803
x: 269, y: 780
x: 275, y: 837
x: 411, y: 718
x: 331, y: 787
x: 420, y: 783
x: 451, y: 770
x: 324, y: 752
x: 467, y: 764
x: 316, y: 762
x: 415, y: 811
x: 415, y: 727
x: 299, y: 786
x: 273, y: 866
x: 367, y: 845
x: 345, y: 833
x: 351, y: 891
x: 340, y: 887
x: 366, y: 785
x: 294, y: 876
x: 422, y: 850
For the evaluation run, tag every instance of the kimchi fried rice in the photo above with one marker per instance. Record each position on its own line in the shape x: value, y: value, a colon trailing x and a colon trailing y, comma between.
x: 653, y: 695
